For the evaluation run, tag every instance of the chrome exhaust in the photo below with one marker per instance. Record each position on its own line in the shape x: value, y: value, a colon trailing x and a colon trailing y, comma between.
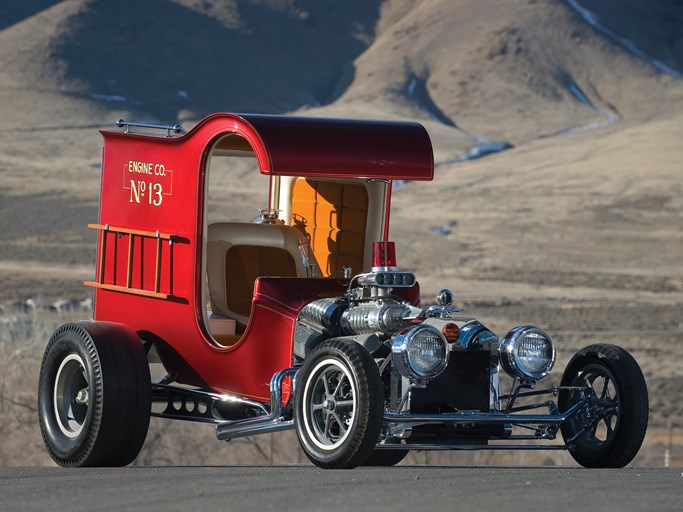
x: 273, y: 422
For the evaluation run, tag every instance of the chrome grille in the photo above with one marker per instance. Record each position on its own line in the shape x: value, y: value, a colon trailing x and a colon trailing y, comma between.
x: 463, y: 386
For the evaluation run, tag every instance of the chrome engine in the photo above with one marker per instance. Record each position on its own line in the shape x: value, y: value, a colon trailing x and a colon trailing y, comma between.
x: 339, y: 317
x: 368, y: 314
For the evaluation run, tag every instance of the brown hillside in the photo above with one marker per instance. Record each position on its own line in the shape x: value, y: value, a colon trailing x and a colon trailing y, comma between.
x: 505, y: 69
x: 159, y: 58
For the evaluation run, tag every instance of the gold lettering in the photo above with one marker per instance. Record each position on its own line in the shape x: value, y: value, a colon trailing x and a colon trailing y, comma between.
x: 140, y: 167
x: 157, y: 190
x: 137, y: 189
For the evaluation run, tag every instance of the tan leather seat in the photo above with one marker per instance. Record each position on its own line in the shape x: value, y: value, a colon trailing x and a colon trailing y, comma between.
x: 239, y: 253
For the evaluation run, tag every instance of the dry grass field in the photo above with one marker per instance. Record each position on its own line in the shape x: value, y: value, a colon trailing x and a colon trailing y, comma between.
x: 578, y: 227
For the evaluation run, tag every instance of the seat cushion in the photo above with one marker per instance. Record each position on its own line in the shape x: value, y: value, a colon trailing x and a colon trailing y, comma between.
x: 245, y: 263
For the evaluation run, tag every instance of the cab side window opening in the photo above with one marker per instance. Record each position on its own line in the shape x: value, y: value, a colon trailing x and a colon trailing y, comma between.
x: 237, y: 251
x: 234, y: 189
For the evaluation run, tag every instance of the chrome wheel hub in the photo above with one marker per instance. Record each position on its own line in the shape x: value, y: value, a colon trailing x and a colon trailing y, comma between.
x: 82, y: 397
x: 71, y: 396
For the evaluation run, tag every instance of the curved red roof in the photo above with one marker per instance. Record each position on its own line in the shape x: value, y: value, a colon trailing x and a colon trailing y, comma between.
x: 311, y: 146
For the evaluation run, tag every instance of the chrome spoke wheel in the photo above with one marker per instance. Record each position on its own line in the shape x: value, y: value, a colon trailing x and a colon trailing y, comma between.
x: 331, y: 404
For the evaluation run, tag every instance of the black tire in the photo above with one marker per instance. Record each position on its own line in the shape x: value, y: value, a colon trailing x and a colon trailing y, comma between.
x: 94, y: 395
x: 385, y: 457
x: 339, y: 405
x: 615, y: 430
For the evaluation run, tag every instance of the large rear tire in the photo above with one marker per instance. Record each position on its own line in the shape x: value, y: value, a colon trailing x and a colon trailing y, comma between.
x: 94, y: 395
x: 339, y: 405
x: 614, y: 430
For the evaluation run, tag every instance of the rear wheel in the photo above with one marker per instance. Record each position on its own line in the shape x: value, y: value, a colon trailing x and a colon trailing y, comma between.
x: 94, y: 395
x: 339, y: 405
x: 608, y: 433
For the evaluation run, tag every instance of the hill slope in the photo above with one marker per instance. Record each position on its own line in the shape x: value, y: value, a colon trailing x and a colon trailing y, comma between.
x: 503, y: 70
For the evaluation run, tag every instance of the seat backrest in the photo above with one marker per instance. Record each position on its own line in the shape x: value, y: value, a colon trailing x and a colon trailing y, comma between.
x: 239, y: 253
x: 334, y: 216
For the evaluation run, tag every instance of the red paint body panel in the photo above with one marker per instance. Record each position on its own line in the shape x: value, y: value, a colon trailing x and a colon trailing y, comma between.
x: 156, y: 184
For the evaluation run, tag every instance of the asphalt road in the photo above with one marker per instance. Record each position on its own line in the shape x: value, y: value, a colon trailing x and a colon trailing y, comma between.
x: 304, y: 488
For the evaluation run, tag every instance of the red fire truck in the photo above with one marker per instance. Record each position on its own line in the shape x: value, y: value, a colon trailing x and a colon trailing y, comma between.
x: 300, y: 319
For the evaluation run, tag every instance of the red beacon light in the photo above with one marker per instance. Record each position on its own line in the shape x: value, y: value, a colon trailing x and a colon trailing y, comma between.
x: 384, y: 256
x: 384, y: 273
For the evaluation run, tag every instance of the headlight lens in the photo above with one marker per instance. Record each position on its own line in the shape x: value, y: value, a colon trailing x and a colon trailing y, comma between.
x: 420, y: 353
x: 527, y: 353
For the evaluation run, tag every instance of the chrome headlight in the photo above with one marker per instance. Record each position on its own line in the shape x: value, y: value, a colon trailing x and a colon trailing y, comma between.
x: 527, y: 353
x: 421, y: 353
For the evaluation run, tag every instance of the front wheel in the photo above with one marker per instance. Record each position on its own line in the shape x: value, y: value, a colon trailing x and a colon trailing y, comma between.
x: 339, y: 405
x: 609, y: 432
x: 94, y: 395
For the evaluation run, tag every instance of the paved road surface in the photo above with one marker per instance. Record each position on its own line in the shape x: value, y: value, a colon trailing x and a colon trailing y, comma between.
x: 305, y: 488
